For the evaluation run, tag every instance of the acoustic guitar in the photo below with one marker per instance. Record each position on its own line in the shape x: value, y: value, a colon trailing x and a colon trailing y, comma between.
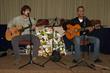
x: 13, y: 32
x: 72, y: 31
x: 17, y: 30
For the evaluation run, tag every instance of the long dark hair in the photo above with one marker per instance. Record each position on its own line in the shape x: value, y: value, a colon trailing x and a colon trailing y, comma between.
x: 24, y: 8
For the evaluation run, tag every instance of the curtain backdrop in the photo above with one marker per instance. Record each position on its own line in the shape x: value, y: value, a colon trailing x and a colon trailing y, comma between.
x: 95, y: 9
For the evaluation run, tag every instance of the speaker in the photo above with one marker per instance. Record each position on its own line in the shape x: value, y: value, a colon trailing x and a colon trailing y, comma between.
x: 104, y: 36
x: 3, y: 41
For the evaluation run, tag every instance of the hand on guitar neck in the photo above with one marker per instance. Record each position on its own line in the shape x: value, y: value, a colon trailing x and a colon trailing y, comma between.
x: 90, y: 29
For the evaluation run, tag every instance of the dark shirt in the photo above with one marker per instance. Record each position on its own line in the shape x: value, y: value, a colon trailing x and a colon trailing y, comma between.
x: 83, y: 24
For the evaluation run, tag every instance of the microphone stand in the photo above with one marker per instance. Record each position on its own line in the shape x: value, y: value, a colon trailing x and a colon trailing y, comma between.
x: 30, y: 54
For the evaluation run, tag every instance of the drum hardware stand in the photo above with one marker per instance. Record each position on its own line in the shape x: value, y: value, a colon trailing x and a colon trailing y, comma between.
x: 30, y: 60
x: 91, y: 66
x: 55, y: 21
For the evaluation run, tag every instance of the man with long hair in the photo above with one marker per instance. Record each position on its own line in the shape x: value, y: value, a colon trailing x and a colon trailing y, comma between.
x: 21, y: 22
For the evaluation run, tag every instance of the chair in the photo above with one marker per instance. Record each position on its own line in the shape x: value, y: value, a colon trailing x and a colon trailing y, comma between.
x: 68, y: 45
x: 23, y: 48
x: 85, y: 45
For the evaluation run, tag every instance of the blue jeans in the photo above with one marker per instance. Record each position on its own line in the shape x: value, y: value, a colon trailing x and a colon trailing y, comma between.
x: 92, y: 40
x: 15, y: 44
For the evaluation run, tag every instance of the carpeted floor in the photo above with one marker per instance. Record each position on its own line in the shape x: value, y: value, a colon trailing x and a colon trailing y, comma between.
x: 7, y: 65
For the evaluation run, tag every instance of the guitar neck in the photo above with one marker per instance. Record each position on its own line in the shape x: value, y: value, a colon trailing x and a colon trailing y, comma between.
x: 86, y: 28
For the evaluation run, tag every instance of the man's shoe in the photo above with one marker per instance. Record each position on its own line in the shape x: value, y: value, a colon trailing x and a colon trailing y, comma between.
x: 98, y: 60
x: 74, y: 61
x: 3, y: 54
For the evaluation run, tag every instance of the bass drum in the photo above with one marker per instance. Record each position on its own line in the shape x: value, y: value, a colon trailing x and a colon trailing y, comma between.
x: 46, y: 38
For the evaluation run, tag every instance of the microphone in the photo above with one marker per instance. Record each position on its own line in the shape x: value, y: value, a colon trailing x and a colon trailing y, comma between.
x: 84, y: 20
x: 84, y: 17
x: 28, y: 14
x: 56, y: 19
x: 54, y: 22
x: 34, y: 19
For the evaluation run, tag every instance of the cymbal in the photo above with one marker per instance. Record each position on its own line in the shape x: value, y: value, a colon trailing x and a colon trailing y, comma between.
x: 52, y: 26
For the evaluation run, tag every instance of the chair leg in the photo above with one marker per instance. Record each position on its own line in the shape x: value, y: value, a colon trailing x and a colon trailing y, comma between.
x: 72, y: 49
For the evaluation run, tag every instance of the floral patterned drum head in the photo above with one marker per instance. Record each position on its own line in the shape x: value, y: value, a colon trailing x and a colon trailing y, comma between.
x: 50, y: 41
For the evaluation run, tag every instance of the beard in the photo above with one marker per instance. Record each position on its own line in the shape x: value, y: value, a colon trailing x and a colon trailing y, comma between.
x: 26, y: 14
